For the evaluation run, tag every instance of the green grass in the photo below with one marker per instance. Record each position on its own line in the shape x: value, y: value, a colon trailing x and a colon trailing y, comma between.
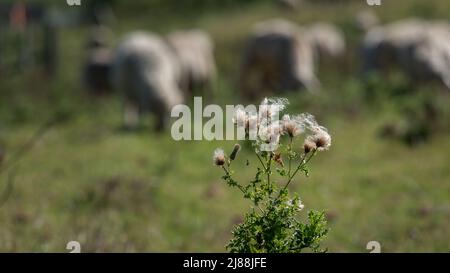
x: 118, y: 191
x: 111, y: 190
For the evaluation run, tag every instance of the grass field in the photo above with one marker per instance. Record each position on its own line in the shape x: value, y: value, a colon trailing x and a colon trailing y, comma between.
x: 87, y: 180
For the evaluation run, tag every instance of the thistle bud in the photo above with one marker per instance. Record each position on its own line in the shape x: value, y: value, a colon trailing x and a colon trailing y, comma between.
x: 235, y: 151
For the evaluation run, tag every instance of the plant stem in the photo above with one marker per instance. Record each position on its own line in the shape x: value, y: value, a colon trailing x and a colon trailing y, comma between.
x: 302, y: 163
x: 268, y: 173
x: 227, y: 172
x: 262, y: 211
x: 289, y: 154
x: 262, y: 163
x: 312, y: 155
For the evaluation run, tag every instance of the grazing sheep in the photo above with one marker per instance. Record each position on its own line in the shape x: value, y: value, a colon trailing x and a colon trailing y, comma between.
x: 383, y: 44
x: 327, y: 40
x: 419, y: 48
x: 97, y: 65
x: 276, y: 58
x: 145, y: 71
x: 194, y: 51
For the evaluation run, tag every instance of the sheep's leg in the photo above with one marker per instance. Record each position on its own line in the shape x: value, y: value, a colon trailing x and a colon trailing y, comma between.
x: 161, y: 122
x: 207, y: 90
x: 131, y: 116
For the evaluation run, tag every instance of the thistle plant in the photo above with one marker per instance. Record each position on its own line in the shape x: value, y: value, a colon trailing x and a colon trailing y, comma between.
x: 272, y: 225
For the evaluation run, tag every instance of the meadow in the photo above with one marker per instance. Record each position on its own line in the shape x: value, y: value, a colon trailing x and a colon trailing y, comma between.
x: 86, y: 179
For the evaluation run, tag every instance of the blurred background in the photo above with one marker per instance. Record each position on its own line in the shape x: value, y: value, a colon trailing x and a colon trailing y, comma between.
x: 70, y: 171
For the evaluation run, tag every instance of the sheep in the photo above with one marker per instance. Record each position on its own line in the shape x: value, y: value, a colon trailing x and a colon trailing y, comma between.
x: 194, y: 50
x: 383, y: 44
x: 276, y: 58
x: 145, y: 71
x: 327, y: 40
x: 419, y: 48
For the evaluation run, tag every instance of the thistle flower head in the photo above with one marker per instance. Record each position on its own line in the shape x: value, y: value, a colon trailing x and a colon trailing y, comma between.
x: 270, y: 133
x: 309, y: 145
x: 271, y: 107
x: 252, y: 122
x: 320, y: 137
x: 293, y: 126
x: 219, y: 157
x: 245, y: 119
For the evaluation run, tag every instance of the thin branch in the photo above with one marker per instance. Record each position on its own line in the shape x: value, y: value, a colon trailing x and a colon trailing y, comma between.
x: 237, y: 184
x: 262, y: 163
x: 302, y: 163
x: 28, y: 146
x: 289, y: 154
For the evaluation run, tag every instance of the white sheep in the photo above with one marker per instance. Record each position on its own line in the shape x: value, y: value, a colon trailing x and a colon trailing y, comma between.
x: 146, y: 72
x: 194, y: 50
